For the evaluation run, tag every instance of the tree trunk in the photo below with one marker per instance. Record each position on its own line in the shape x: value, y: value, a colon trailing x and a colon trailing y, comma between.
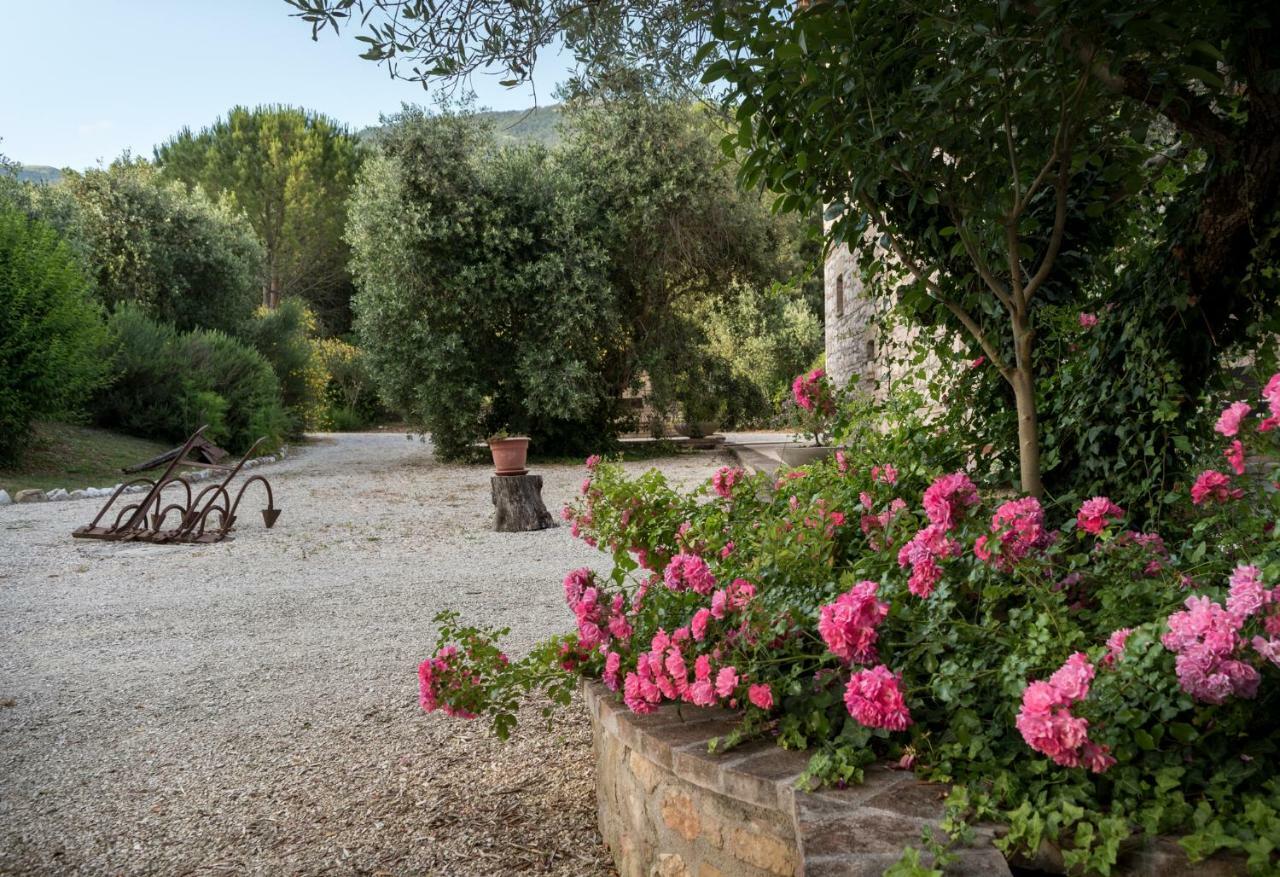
x: 518, y: 505
x: 1024, y: 394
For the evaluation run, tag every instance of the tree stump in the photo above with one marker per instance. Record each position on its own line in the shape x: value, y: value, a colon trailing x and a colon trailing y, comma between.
x: 517, y: 500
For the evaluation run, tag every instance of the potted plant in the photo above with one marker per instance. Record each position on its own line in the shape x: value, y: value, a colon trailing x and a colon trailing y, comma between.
x: 509, y: 453
x: 815, y: 406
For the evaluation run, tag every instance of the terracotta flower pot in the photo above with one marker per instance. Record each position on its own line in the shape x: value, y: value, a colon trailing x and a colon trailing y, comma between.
x: 509, y: 454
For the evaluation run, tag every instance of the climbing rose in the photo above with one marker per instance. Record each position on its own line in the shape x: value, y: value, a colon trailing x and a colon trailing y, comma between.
x: 1019, y: 524
x: 1096, y: 514
x: 1047, y: 725
x: 612, y: 664
x: 698, y: 627
x: 1248, y: 596
x: 726, y: 681
x: 922, y: 554
x: 689, y: 571
x: 1271, y: 394
x: 885, y: 473
x: 725, y: 479
x: 761, y: 695
x: 1213, y: 485
x: 874, y: 699
x: 810, y: 392
x: 1115, y: 645
x: 1205, y: 637
x: 848, y: 626
x: 1268, y: 648
x: 433, y: 675
x: 1235, y: 456
x: 1232, y: 416
x: 948, y: 497
x: 1088, y: 321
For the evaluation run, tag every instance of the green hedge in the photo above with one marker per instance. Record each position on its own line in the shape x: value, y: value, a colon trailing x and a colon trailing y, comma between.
x: 50, y: 330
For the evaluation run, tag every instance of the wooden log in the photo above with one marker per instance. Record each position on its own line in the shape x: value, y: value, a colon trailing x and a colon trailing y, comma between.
x: 518, y: 505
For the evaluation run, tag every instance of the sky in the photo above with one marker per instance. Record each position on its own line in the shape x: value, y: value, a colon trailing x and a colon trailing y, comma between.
x: 81, y: 81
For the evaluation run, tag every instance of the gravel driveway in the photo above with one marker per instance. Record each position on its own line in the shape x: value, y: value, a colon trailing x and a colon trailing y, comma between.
x: 251, y: 706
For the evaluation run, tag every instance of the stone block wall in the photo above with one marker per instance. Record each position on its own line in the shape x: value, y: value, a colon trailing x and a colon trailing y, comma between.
x: 668, y: 808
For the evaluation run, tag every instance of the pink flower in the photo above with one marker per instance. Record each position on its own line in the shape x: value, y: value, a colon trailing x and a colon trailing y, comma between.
x: 727, y: 550
x: 725, y: 479
x: 438, y: 678
x: 1205, y: 637
x: 848, y: 626
x: 812, y: 392
x: 1096, y: 757
x: 1232, y: 416
x: 885, y: 473
x: 576, y: 583
x: 1019, y: 526
x: 1115, y: 646
x: 1088, y: 321
x: 946, y: 499
x: 761, y: 695
x: 1072, y: 679
x: 612, y: 666
x: 592, y: 462
x: 922, y: 554
x: 1248, y: 596
x: 978, y: 362
x: 842, y: 462
x: 874, y: 699
x: 1213, y: 485
x: 1268, y: 648
x: 698, y: 626
x: 726, y: 681
x: 689, y: 571
x: 1235, y: 456
x: 1271, y: 395
x: 1096, y: 514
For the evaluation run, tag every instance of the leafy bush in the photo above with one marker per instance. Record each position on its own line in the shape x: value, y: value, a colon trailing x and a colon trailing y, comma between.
x: 351, y: 399
x: 51, y: 330
x: 181, y: 258
x: 168, y: 383
x: 1080, y: 684
x: 285, y: 336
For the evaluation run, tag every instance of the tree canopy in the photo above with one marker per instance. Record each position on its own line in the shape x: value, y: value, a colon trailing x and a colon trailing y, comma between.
x: 290, y: 172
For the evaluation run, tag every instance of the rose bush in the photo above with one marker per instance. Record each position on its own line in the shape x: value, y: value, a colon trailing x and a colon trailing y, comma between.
x: 1081, y: 684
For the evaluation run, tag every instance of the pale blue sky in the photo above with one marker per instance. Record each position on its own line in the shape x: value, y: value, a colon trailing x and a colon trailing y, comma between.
x: 83, y: 80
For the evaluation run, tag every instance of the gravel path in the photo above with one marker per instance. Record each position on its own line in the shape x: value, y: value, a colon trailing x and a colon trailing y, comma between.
x: 250, y: 707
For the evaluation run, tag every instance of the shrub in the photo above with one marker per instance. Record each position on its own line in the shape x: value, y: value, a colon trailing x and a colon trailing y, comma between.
x: 51, y: 330
x: 285, y: 336
x: 181, y: 258
x: 169, y: 383
x: 351, y: 399
x: 1080, y: 683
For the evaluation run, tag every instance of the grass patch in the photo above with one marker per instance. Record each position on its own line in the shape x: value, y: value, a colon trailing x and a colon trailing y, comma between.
x: 74, y: 457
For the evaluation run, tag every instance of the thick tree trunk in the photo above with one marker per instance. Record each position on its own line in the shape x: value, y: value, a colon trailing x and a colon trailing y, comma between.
x: 518, y: 505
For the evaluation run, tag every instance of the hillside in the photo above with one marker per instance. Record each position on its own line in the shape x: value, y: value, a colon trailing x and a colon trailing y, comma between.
x: 38, y: 173
x: 534, y: 125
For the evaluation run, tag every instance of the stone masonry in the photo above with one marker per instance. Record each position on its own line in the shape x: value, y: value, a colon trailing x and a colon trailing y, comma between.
x: 668, y: 808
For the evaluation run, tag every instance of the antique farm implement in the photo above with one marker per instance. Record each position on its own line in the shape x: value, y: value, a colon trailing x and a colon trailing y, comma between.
x: 172, y: 510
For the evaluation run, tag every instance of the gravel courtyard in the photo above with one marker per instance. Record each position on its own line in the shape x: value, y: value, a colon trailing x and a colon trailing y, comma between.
x: 251, y: 707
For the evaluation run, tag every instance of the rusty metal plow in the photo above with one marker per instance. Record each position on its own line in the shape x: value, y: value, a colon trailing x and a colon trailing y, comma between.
x: 172, y: 510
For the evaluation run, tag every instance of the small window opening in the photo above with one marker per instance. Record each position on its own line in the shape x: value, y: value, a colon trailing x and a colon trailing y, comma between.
x: 840, y: 294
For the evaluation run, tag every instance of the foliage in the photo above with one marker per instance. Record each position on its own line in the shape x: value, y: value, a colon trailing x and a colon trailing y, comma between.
x: 351, y: 399
x: 51, y: 330
x: 290, y: 171
x: 285, y: 336
x: 1080, y: 684
x: 168, y: 383
x: 177, y: 255
x: 524, y: 289
x: 481, y: 304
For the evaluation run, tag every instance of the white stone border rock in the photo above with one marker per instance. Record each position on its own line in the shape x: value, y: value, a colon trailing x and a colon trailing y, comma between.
x: 61, y: 493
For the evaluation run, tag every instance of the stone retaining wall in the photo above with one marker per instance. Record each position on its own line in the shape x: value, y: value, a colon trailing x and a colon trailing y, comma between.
x: 668, y: 808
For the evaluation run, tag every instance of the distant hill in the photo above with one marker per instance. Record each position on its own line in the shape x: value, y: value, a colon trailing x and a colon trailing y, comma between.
x: 534, y: 125
x: 38, y: 173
